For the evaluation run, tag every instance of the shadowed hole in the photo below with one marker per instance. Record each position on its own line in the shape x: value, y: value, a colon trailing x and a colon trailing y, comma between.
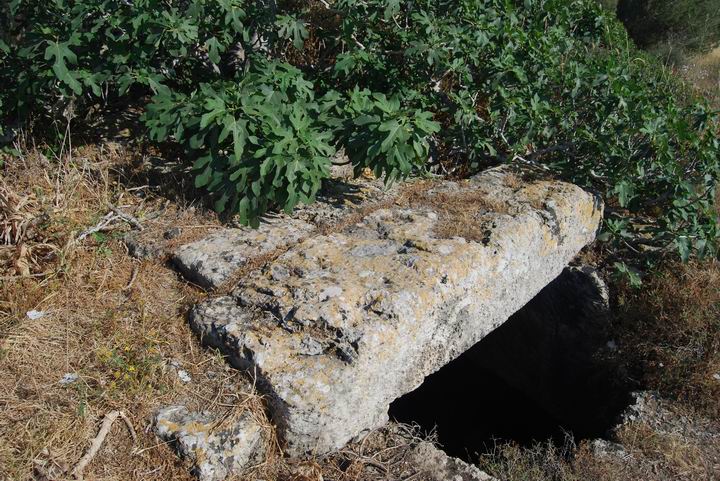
x: 544, y: 374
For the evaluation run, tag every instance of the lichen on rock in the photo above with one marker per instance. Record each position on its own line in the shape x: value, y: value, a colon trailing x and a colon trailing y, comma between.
x: 344, y: 322
x: 216, y: 447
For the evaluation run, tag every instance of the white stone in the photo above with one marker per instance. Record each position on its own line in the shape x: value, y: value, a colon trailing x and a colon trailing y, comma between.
x: 331, y: 367
x: 435, y: 465
x: 35, y: 315
x: 217, y: 448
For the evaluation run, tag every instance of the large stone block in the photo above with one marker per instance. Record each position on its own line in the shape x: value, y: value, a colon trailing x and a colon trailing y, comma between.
x: 342, y: 324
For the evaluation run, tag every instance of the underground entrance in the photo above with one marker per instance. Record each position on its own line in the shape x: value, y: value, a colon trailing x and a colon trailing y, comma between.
x: 542, y: 375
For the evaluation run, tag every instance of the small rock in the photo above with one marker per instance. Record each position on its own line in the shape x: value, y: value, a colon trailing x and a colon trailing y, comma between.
x: 438, y: 466
x: 217, y: 448
x: 68, y: 378
x: 184, y: 376
x: 603, y: 448
x: 142, y: 249
x: 35, y: 315
x: 173, y: 233
x: 716, y: 376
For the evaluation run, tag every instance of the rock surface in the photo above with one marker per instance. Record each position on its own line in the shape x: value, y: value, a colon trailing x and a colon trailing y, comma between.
x: 217, y: 448
x: 218, y: 258
x: 435, y: 465
x: 211, y: 261
x: 343, y: 323
x: 659, y: 414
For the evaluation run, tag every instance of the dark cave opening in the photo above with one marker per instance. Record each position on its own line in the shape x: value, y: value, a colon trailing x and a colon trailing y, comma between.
x: 542, y: 375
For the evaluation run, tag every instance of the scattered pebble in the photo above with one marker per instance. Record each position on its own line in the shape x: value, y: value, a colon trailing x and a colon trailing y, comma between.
x: 172, y: 233
x: 184, y: 376
x: 35, y: 315
x: 716, y: 376
x: 69, y: 378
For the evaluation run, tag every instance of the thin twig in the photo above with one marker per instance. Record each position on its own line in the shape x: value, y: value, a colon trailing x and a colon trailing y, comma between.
x: 103, y: 224
x: 140, y: 451
x: 110, y: 218
x: 133, y: 276
x: 127, y: 218
x: 130, y: 427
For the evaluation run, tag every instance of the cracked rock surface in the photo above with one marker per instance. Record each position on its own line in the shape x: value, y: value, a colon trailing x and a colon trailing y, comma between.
x: 212, y: 261
x: 217, y: 448
x: 343, y: 323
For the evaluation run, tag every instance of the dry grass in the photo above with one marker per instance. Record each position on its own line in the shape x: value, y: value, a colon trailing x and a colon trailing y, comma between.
x: 669, y: 334
x: 460, y: 214
x: 647, y: 453
x: 119, y: 324
x: 703, y: 71
x: 654, y: 454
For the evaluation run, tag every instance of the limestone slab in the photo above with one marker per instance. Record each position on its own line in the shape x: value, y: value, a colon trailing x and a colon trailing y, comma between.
x: 342, y: 324
x: 217, y: 258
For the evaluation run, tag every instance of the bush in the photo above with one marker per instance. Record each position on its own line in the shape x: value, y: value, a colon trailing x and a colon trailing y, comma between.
x: 260, y: 94
x: 257, y: 142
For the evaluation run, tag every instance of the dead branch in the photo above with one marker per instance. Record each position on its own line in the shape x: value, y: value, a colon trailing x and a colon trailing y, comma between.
x: 97, y: 442
x: 127, y: 218
x: 133, y: 276
x: 102, y: 225
x: 107, y: 222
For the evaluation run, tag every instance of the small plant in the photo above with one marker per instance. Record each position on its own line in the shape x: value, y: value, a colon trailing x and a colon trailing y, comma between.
x: 129, y: 367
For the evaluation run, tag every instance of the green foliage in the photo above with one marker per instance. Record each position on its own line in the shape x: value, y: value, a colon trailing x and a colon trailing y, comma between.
x: 609, y: 5
x: 260, y: 94
x: 257, y: 142
x: 83, y: 51
x: 381, y: 135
